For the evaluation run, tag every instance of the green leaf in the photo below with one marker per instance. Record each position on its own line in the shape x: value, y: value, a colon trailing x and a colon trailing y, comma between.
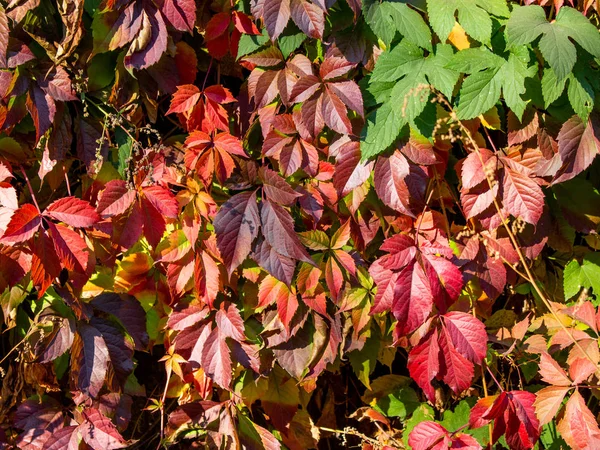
x: 552, y: 87
x: 250, y: 43
x: 473, y: 16
x: 388, y: 17
x: 586, y: 275
x: 363, y: 361
x: 382, y: 128
x: 527, y: 23
x: 290, y: 40
x: 479, y: 93
x: 481, y: 90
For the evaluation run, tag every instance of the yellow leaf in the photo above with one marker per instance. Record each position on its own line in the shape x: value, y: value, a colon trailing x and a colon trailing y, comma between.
x: 458, y: 37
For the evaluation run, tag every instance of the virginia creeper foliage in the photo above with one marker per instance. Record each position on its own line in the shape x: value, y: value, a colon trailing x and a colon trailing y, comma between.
x: 269, y: 224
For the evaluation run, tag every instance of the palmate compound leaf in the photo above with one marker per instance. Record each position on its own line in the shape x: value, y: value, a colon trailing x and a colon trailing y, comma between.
x: 448, y: 352
x: 515, y: 189
x: 401, y: 82
x: 421, y: 278
x: 237, y: 224
x: 513, y: 415
x: 527, y: 23
x: 326, y: 99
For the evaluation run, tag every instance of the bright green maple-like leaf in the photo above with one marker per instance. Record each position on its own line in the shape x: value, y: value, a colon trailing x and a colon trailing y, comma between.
x: 388, y: 17
x: 527, y: 23
x: 490, y: 76
x: 401, y: 81
x: 473, y: 16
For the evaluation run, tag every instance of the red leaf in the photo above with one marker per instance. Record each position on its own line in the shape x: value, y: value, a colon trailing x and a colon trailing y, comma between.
x: 152, y: 39
x: 578, y: 146
x: 548, y: 401
x: 181, y: 14
x: 115, y: 199
x: 467, y: 334
x: 227, y: 143
x: 399, y: 184
x: 579, y: 427
x: 207, y: 278
x: 63, y: 439
x: 413, y: 299
x: 89, y: 360
x: 276, y: 14
x: 23, y: 225
x: 45, y: 265
x: 335, y: 113
x: 216, y: 358
x: 522, y: 197
x: 42, y: 109
x: 424, y: 363
x: 309, y: 18
x: 551, y: 371
x: 236, y: 225
x: 350, y: 172
x: 229, y: 322
x: 456, y: 371
x: 278, y: 230
x: 429, y: 436
x: 281, y: 267
x: 276, y: 188
x: 163, y: 200
x: 184, y: 99
x: 514, y: 416
x: 272, y: 290
x: 268, y: 57
x: 99, y: 432
x: 70, y: 247
x: 73, y: 211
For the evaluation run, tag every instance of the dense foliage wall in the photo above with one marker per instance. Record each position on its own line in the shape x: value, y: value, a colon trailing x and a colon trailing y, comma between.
x: 279, y: 224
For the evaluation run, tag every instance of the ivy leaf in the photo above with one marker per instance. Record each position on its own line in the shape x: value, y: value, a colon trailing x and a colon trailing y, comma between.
x: 529, y: 22
x: 237, y: 224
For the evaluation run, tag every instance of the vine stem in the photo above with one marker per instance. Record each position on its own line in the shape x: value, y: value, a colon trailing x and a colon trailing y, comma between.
x: 30, y: 188
x: 494, y: 378
x: 530, y: 276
